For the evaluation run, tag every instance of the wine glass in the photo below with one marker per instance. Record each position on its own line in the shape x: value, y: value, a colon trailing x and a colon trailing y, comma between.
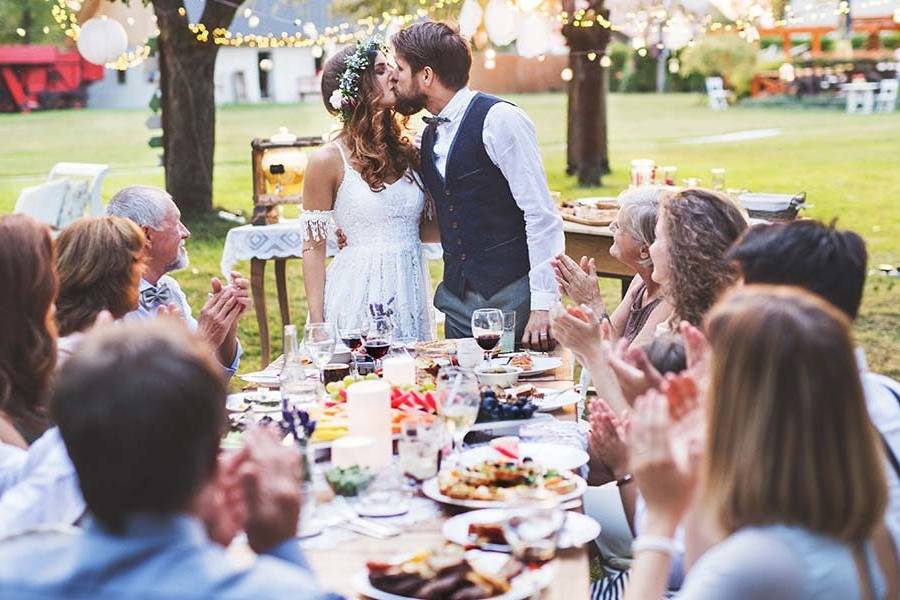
x: 320, y: 341
x: 533, y: 526
x: 487, y: 327
x: 379, y: 335
x: 459, y: 398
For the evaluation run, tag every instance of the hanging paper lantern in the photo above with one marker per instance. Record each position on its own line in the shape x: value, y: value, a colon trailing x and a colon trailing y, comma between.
x: 527, y: 6
x: 500, y: 21
x: 677, y: 33
x: 470, y: 18
x: 699, y: 7
x: 137, y: 18
x: 102, y: 40
x: 534, y: 35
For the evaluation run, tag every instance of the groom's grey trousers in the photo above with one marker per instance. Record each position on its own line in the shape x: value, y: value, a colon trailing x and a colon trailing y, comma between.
x: 516, y: 296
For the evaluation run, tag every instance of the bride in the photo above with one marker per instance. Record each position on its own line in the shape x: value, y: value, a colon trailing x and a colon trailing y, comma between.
x: 364, y: 182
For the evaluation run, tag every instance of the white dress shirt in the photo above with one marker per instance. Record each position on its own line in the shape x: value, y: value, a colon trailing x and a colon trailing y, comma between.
x: 511, y: 143
x: 179, y: 299
x: 44, y: 488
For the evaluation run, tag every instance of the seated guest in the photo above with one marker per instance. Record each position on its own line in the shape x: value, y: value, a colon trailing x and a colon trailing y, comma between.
x: 28, y: 340
x: 147, y: 455
x: 156, y: 213
x: 779, y: 484
x: 831, y: 264
x: 634, y: 231
x: 37, y: 486
x: 99, y: 261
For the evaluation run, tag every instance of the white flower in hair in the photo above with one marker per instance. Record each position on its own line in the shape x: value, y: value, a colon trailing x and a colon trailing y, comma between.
x: 336, y: 100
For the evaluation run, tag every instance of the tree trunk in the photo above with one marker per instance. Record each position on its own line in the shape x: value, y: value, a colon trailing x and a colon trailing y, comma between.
x: 587, y: 148
x: 187, y: 88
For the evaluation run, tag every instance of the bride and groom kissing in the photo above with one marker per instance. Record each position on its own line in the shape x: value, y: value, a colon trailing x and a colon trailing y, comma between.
x: 475, y: 184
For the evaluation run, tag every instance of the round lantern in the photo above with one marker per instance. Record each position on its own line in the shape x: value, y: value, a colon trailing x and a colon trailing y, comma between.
x: 500, y: 22
x: 470, y: 18
x: 102, y: 40
x: 534, y: 35
x: 677, y: 33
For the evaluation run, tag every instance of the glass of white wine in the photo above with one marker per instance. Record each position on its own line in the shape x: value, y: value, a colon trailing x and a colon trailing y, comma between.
x: 459, y: 398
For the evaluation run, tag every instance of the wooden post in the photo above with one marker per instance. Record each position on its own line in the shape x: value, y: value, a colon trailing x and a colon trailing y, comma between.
x: 816, y: 43
x: 786, y: 43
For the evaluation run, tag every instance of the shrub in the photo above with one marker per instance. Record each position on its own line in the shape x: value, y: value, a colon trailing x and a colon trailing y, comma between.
x: 725, y: 56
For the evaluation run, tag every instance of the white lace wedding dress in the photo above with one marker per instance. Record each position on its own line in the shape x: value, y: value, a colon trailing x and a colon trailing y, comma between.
x: 382, y: 265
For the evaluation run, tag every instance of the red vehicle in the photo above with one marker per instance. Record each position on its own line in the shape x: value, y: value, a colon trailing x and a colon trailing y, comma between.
x: 44, y: 77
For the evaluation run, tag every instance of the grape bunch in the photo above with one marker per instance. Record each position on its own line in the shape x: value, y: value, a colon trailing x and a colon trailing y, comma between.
x: 504, y: 409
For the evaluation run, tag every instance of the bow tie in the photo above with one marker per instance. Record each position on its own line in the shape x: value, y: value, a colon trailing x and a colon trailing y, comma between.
x: 152, y: 297
x: 435, y: 121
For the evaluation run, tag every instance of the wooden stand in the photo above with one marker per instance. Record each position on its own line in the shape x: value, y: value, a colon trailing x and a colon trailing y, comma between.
x: 265, y: 205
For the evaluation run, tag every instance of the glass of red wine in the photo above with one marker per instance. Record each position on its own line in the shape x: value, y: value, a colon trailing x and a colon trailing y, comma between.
x: 378, y: 338
x: 487, y: 327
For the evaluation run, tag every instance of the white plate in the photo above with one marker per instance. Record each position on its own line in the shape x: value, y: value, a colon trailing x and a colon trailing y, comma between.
x: 552, y: 456
x: 521, y: 587
x: 268, y: 378
x: 432, y: 490
x: 508, y: 427
x: 243, y: 401
x: 541, y: 364
x: 555, y: 399
x: 578, y: 530
x: 592, y: 201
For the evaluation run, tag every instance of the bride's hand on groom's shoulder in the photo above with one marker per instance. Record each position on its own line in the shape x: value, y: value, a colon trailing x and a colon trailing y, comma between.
x: 537, y: 332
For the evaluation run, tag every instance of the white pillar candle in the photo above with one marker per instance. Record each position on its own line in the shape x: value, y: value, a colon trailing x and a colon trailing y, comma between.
x: 352, y: 450
x: 400, y: 370
x: 369, y: 408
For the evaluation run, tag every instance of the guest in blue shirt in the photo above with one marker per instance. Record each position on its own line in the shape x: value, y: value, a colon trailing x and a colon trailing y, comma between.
x: 141, y: 411
x: 156, y: 214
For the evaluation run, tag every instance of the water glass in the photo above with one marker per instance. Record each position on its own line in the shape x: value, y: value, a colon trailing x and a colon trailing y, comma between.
x: 320, y: 341
x: 386, y: 496
x: 420, y: 443
x: 508, y: 339
x: 532, y: 528
x: 718, y: 179
x: 468, y: 353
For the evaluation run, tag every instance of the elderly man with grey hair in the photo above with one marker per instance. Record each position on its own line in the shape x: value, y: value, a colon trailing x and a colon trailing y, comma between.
x: 156, y: 213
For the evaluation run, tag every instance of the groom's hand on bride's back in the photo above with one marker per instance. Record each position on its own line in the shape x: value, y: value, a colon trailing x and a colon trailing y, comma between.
x: 537, y: 332
x: 341, y: 238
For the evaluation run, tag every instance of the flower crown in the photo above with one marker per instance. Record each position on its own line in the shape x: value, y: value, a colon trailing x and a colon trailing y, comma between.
x: 345, y: 96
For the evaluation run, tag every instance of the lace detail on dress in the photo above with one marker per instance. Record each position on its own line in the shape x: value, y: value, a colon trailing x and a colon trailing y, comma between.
x: 383, y: 256
x: 317, y: 225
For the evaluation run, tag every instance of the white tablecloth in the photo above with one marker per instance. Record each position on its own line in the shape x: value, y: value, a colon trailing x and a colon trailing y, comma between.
x: 281, y: 240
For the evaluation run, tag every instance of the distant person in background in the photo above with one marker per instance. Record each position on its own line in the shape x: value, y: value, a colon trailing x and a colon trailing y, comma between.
x: 141, y: 408
x: 99, y: 261
x: 157, y: 215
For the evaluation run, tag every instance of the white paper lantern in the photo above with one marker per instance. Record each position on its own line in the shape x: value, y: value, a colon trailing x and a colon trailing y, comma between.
x: 534, y: 35
x: 137, y: 18
x: 699, y: 7
x: 500, y: 22
x: 102, y: 40
x: 678, y: 33
x: 470, y: 18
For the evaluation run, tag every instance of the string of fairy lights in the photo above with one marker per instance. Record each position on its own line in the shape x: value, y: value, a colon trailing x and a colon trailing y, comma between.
x: 299, y: 34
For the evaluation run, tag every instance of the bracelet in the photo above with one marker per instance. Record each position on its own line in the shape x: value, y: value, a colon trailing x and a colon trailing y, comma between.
x: 656, y: 543
x: 625, y: 480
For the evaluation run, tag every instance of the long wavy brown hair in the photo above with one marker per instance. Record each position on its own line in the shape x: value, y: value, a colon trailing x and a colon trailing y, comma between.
x: 375, y: 136
x: 701, y: 225
x: 28, y: 338
x: 99, y: 262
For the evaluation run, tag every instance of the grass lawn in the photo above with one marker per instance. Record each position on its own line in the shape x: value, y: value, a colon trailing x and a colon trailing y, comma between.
x: 848, y: 165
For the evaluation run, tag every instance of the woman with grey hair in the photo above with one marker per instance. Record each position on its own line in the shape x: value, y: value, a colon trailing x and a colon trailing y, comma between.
x: 643, y: 307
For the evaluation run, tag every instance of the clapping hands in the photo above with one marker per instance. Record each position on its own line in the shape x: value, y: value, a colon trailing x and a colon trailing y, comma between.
x: 606, y: 443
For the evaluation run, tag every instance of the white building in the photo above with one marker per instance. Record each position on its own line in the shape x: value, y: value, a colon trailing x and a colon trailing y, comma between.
x: 243, y: 75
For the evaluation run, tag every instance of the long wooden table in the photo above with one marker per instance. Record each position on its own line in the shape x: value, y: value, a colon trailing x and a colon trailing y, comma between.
x: 595, y: 242
x: 335, y: 566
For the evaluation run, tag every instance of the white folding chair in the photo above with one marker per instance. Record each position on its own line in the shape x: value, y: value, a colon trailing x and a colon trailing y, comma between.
x: 716, y: 93
x: 886, y: 101
x: 93, y: 174
x: 44, y: 202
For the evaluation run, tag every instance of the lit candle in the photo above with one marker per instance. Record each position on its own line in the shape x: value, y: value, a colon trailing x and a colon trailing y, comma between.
x: 352, y: 450
x: 369, y: 408
x: 400, y: 370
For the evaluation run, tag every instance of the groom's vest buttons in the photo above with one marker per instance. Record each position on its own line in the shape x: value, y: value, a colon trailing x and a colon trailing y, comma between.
x: 482, y: 227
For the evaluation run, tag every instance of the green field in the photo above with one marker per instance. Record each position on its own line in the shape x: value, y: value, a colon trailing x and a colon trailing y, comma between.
x: 848, y: 165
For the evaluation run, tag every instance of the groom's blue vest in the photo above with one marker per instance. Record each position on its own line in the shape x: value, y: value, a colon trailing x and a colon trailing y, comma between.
x: 482, y: 227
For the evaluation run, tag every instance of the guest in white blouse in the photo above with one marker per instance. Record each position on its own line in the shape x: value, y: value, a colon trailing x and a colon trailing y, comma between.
x: 778, y: 480
x: 158, y: 216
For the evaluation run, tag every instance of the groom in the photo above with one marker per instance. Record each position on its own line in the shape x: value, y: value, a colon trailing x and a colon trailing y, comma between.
x: 480, y: 163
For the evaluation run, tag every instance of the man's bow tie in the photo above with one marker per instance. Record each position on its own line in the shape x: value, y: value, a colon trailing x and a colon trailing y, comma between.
x: 435, y: 120
x: 155, y: 296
